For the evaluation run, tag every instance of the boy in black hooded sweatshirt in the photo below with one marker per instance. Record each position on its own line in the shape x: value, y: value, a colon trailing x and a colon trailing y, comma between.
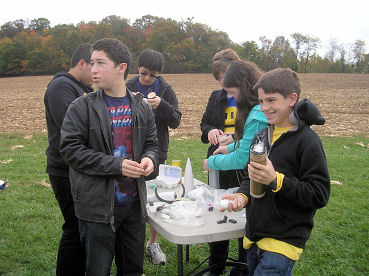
x: 63, y: 89
x: 295, y: 176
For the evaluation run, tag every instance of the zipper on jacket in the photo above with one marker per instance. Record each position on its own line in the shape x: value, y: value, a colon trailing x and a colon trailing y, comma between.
x: 111, y: 153
x: 112, y: 223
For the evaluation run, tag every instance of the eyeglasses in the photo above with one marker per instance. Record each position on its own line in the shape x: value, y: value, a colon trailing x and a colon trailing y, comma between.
x: 144, y: 73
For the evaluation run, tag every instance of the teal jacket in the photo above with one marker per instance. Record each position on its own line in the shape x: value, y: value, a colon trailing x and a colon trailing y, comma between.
x: 238, y: 157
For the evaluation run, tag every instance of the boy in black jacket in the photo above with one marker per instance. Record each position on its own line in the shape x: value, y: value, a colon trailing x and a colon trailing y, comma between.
x: 108, y: 139
x: 295, y: 177
x: 63, y: 89
x: 162, y: 99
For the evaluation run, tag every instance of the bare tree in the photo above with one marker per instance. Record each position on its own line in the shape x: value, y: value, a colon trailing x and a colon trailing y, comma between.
x: 310, y: 45
x: 358, y: 55
x: 299, y: 41
x: 265, y: 59
x: 332, y: 51
x: 342, y: 53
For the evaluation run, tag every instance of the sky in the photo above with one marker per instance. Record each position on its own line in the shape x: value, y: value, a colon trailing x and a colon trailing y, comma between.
x: 243, y: 20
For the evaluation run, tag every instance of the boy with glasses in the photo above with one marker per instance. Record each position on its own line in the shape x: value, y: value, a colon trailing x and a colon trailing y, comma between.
x: 164, y: 103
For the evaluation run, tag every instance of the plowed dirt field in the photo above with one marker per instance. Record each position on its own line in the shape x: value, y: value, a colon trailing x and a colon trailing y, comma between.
x: 343, y: 99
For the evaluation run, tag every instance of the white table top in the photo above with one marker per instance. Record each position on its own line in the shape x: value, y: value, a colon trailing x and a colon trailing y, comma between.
x: 210, y: 231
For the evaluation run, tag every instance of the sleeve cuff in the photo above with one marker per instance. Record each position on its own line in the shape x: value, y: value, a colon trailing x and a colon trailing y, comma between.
x: 246, y: 198
x: 280, y: 177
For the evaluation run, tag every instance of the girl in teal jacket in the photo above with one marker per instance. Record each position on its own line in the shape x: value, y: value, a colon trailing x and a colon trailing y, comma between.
x: 235, y: 155
x: 240, y: 78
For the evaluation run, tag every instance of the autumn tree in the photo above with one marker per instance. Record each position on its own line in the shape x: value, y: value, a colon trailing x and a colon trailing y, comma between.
x: 65, y: 37
x: 118, y: 25
x: 164, y: 32
x: 182, y: 56
x: 39, y: 25
x: 12, y: 28
x: 7, y: 56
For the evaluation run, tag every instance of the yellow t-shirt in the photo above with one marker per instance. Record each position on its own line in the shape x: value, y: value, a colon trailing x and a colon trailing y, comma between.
x: 230, y: 121
x: 278, y: 131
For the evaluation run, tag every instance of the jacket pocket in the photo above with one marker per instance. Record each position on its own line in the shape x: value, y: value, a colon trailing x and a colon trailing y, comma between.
x: 264, y: 215
x: 78, y: 186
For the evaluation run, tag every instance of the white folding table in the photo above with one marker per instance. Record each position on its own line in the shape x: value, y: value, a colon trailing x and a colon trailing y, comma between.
x: 210, y: 231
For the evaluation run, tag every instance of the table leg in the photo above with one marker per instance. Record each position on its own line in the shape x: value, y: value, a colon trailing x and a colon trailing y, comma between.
x: 180, y: 260
x: 187, y: 253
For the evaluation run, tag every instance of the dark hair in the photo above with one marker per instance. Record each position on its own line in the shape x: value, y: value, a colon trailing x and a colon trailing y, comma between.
x: 82, y: 51
x: 117, y: 51
x: 151, y: 59
x: 221, y: 60
x: 281, y: 80
x: 244, y: 75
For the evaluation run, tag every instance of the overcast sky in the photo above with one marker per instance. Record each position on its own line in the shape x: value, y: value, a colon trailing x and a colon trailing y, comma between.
x: 243, y: 20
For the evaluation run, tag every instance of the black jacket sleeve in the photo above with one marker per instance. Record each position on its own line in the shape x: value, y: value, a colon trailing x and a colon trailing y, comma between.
x: 168, y: 110
x: 207, y: 122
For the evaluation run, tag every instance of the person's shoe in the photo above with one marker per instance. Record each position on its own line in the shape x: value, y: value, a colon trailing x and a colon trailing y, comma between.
x: 154, y: 252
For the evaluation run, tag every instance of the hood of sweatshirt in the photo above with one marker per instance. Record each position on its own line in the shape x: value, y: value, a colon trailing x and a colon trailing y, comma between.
x: 306, y: 112
x: 69, y: 76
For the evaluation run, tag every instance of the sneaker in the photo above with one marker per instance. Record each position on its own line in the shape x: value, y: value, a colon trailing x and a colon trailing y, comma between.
x: 154, y: 252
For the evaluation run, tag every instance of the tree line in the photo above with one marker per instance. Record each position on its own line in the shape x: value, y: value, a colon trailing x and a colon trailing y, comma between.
x: 33, y: 48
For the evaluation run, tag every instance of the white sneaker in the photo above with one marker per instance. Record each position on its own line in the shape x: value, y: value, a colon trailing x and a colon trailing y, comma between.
x: 154, y: 252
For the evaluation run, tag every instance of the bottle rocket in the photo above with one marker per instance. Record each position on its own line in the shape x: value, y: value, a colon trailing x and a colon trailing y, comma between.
x: 188, y: 177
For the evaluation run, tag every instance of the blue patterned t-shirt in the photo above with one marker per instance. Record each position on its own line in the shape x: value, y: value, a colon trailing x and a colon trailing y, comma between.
x: 146, y: 89
x: 120, y: 114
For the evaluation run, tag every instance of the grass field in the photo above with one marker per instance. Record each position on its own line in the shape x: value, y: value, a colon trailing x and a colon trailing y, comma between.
x: 30, y: 220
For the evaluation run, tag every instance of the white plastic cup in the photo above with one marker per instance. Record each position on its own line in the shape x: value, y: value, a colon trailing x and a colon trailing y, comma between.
x: 214, y: 179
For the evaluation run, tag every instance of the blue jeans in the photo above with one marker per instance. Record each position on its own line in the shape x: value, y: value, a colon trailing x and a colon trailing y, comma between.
x: 127, y: 243
x: 261, y: 262
x: 71, y: 254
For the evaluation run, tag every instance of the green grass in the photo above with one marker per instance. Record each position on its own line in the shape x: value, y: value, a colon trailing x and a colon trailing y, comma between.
x: 30, y: 220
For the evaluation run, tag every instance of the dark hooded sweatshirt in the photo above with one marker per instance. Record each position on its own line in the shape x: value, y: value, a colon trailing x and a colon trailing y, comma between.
x: 287, y: 214
x: 61, y: 91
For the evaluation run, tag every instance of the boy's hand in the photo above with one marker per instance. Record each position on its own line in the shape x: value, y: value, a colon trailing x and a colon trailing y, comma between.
x: 263, y: 174
x: 213, y: 136
x: 154, y: 102
x: 132, y: 168
x: 205, y: 165
x: 226, y: 139
x: 148, y: 166
x: 222, y: 150
x: 237, y: 202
